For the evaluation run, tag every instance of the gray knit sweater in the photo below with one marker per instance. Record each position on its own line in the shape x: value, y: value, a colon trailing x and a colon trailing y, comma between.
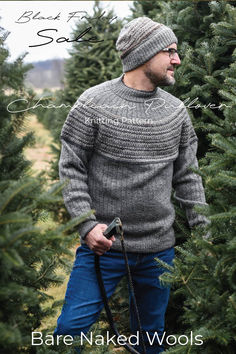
x: 123, y: 150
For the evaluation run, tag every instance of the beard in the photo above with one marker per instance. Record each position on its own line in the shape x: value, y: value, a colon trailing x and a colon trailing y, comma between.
x: 158, y: 79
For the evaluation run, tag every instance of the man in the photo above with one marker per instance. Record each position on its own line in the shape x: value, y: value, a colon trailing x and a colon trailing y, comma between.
x: 125, y: 144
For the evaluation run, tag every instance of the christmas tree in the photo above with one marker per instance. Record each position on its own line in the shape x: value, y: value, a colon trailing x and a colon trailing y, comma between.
x: 202, y: 299
x: 207, y: 33
x: 32, y: 246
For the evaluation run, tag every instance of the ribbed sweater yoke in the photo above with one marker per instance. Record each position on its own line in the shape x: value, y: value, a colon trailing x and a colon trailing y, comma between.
x: 123, y: 151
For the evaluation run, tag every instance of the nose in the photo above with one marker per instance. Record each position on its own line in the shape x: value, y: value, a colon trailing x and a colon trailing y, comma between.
x: 176, y: 60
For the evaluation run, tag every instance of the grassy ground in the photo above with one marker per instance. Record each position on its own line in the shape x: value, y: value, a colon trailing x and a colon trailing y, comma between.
x: 40, y: 153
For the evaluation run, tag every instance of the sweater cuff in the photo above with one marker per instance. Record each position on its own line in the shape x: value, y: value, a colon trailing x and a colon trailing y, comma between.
x: 85, y: 227
x: 196, y: 219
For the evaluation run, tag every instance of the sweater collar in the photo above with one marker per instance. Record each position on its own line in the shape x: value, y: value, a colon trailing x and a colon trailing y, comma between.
x: 129, y: 93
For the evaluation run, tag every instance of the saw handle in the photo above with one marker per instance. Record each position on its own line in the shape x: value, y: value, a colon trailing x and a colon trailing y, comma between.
x: 115, y: 228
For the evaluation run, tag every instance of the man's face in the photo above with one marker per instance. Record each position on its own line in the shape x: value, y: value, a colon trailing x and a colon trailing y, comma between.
x: 160, y: 68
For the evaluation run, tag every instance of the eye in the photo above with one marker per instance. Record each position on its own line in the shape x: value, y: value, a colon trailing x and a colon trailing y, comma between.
x: 172, y: 50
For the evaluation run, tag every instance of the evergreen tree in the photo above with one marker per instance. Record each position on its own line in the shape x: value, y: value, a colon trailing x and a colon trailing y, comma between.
x: 93, y: 63
x: 206, y: 34
x: 207, y: 269
x: 32, y: 247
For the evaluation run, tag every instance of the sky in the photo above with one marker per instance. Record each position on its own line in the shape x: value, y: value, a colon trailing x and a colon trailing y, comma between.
x: 22, y: 20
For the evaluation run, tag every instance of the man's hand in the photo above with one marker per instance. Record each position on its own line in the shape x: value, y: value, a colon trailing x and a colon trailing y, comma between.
x: 96, y: 241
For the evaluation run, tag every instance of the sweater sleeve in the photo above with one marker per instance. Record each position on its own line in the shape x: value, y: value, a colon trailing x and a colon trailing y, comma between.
x: 77, y: 138
x: 186, y: 183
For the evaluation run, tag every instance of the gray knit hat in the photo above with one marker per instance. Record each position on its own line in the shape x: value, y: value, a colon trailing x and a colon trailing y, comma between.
x: 141, y: 39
